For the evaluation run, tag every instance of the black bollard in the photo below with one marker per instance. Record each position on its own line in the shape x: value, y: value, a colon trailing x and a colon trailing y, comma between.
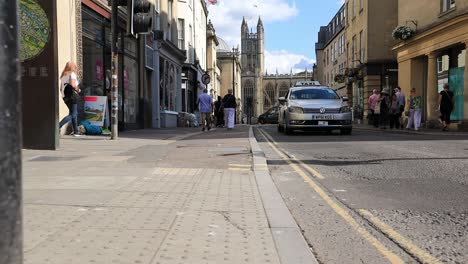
x: 11, y: 249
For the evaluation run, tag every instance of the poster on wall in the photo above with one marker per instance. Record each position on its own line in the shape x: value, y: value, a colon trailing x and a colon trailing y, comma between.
x: 456, y: 82
x: 95, y: 108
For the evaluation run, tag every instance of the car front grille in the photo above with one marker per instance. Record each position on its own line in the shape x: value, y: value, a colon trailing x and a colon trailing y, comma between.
x: 330, y: 122
x: 317, y: 111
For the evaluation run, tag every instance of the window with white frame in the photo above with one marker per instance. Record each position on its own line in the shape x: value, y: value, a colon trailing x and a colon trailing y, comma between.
x: 169, y: 19
x: 361, y: 48
x: 447, y: 5
x: 354, y: 7
x: 332, y: 53
x: 343, y: 40
x: 354, y: 51
x: 336, y: 49
x: 181, y: 33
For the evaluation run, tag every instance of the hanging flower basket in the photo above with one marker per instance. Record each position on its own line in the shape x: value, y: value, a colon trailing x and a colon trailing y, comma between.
x: 403, y: 33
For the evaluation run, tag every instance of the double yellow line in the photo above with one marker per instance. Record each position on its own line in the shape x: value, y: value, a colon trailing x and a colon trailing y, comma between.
x: 406, y: 244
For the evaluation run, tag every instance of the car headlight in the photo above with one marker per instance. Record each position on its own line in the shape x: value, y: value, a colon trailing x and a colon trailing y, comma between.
x: 296, y: 110
x: 345, y: 109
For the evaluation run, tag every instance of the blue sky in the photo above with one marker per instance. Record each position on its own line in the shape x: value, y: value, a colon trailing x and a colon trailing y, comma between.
x: 290, y: 27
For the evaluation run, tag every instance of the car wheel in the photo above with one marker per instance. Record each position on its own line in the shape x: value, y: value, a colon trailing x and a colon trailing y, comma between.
x: 280, y: 128
x: 287, y: 130
x: 346, y: 131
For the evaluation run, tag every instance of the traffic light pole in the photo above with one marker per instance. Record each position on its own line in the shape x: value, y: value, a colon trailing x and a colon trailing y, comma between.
x: 11, y: 246
x: 115, y: 70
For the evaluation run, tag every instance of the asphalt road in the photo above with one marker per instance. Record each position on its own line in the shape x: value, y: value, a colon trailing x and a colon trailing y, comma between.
x: 374, y: 197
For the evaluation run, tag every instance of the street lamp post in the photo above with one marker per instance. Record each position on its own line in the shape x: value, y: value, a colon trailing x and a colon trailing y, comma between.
x: 11, y: 247
x: 235, y: 52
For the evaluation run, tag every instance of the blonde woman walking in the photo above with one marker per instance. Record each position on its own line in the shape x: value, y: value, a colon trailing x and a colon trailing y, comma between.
x: 70, y: 94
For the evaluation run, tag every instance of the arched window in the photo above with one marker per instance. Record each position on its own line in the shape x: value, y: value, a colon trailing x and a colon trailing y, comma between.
x: 248, y: 100
x: 283, y: 90
x: 269, y: 96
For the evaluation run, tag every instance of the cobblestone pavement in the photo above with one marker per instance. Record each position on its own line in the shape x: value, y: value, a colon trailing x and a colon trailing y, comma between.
x: 145, y: 199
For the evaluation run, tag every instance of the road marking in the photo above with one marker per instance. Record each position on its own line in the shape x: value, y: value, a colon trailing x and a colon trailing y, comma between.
x: 392, y: 257
x: 420, y: 254
x: 239, y: 169
x: 307, y: 167
x: 340, y: 190
x: 240, y: 165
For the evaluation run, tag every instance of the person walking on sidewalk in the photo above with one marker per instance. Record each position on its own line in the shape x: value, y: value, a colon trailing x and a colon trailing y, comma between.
x: 446, y: 106
x: 205, y: 103
x: 402, y: 103
x: 69, y: 89
x: 414, y: 113
x: 229, y: 105
x: 384, y: 101
x: 219, y: 112
x: 395, y: 112
x: 373, y: 99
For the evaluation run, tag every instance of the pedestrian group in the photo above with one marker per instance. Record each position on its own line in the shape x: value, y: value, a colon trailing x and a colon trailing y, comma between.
x: 223, y: 110
x: 387, y: 109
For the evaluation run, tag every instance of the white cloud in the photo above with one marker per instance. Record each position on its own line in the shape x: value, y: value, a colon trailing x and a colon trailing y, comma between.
x: 340, y: 2
x: 284, y: 61
x: 226, y: 16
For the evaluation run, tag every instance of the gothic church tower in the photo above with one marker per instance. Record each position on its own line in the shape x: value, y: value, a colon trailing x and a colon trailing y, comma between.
x: 253, y: 63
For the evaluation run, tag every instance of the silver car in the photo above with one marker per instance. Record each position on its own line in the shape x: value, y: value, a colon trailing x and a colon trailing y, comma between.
x: 314, y: 107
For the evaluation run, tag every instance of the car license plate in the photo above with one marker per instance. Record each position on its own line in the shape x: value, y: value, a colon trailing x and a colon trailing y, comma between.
x: 322, y: 123
x: 322, y: 117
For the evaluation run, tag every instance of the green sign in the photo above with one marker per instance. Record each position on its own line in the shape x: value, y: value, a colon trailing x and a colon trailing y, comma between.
x: 456, y: 82
x: 35, y: 29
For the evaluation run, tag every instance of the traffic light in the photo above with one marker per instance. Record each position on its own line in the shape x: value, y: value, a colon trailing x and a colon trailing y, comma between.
x: 139, y: 19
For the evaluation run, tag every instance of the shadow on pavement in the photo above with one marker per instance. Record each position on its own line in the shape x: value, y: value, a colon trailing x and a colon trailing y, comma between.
x: 358, y: 135
x: 354, y: 162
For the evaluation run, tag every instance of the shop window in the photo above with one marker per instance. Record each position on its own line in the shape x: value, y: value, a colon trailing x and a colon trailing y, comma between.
x: 462, y: 59
x: 442, y: 63
x: 447, y: 5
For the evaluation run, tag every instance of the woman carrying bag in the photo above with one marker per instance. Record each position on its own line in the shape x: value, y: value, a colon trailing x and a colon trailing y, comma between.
x: 70, y: 94
x: 446, y: 106
x: 229, y: 106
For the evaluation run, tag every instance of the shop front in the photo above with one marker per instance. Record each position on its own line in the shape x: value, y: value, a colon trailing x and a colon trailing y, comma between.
x: 96, y: 68
x: 171, y: 59
x: 433, y: 58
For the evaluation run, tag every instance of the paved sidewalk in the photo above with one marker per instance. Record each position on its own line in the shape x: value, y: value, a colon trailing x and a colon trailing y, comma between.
x: 153, y: 196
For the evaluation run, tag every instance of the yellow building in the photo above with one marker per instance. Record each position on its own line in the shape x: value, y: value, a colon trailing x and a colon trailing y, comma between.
x: 229, y: 63
x: 435, y: 54
x: 212, y: 65
x: 371, y: 63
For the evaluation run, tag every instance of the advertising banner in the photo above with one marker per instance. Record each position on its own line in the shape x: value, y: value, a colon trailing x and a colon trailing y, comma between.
x: 95, y: 108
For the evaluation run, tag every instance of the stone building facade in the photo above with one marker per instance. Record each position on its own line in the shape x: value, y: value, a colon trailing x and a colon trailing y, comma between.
x: 252, y: 60
x: 277, y: 85
x: 330, y: 53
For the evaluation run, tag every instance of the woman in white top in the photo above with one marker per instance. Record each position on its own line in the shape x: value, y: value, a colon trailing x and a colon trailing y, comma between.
x: 69, y: 77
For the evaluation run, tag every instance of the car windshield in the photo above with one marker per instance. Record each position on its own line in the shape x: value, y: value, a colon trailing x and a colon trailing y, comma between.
x: 307, y: 94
